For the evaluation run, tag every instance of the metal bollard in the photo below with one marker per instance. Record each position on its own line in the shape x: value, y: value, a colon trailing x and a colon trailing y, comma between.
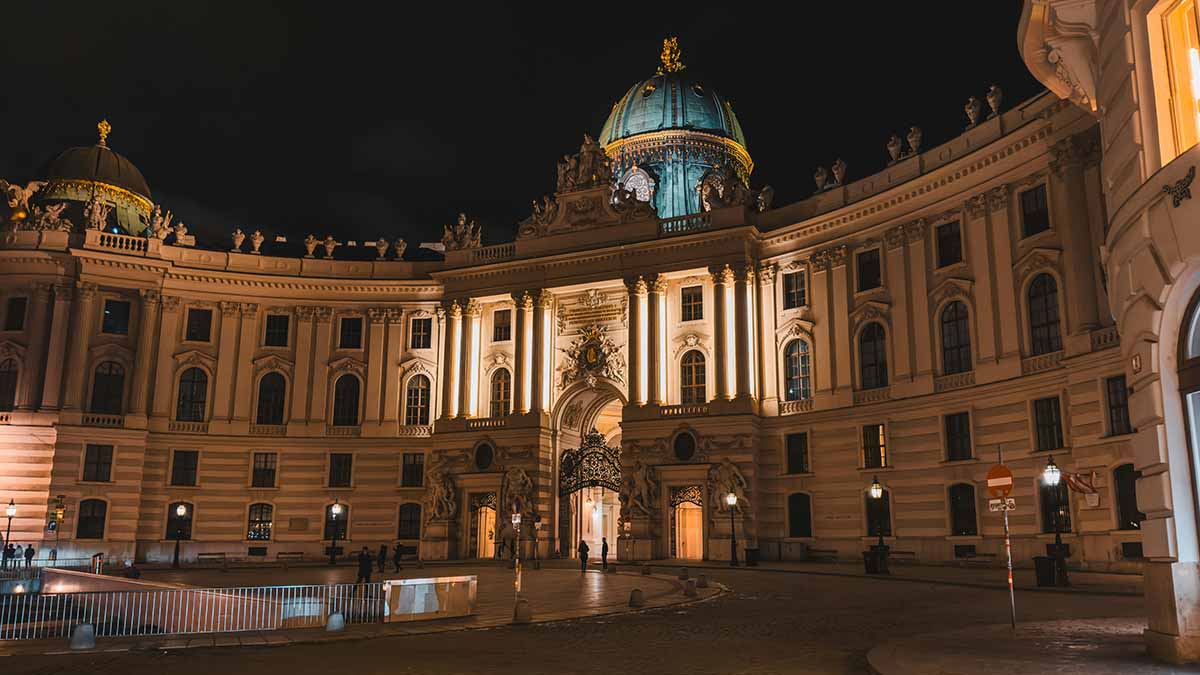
x: 521, y: 612
x: 637, y: 598
x: 83, y: 637
x: 336, y: 623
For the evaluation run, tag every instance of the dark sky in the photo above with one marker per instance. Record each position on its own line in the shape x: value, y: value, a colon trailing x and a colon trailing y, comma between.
x: 369, y: 119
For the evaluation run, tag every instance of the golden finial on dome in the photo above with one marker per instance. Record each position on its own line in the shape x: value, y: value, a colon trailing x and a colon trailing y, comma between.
x: 670, y: 56
x: 105, y: 129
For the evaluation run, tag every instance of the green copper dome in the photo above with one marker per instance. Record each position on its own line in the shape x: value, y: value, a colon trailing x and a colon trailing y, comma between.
x: 671, y: 100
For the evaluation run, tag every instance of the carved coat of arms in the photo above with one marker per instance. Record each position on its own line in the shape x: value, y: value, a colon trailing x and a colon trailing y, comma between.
x: 591, y: 356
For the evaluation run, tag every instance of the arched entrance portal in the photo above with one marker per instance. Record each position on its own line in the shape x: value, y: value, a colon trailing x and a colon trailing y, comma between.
x: 483, y: 525
x: 588, y: 470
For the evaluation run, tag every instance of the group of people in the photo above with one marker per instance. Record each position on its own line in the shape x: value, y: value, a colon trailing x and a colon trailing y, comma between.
x: 584, y: 549
x: 15, y: 553
x: 366, y: 563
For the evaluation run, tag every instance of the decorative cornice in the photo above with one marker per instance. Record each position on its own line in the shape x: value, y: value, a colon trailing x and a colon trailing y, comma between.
x: 894, y: 237
x: 915, y: 231
x: 473, y: 309
x: 170, y: 303
x: 149, y: 297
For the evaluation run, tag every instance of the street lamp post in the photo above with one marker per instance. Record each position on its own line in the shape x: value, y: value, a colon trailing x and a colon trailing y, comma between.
x: 876, y: 560
x: 334, y: 511
x: 731, y: 501
x: 180, y: 514
x: 10, y: 512
x: 877, y: 494
x: 1052, y: 476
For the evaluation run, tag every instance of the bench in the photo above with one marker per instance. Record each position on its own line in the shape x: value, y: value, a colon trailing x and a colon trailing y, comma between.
x: 221, y: 557
x: 285, y: 557
x: 822, y: 554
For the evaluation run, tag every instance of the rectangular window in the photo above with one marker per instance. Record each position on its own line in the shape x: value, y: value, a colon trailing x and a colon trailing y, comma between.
x: 870, y: 273
x: 1183, y: 45
x: 1118, y: 406
x: 277, y: 330
x: 691, y: 303
x: 1047, y: 420
x: 502, y: 325
x: 874, y: 446
x: 14, y: 314
x: 958, y: 437
x: 412, y: 473
x: 350, y: 333
x: 949, y: 244
x: 183, y: 467
x: 797, y: 453
x: 1035, y: 216
x: 97, y: 463
x: 116, y: 317
x: 410, y: 522
x: 199, y: 325
x: 422, y: 334
x: 795, y: 290
x: 264, y: 470
x: 340, y: 464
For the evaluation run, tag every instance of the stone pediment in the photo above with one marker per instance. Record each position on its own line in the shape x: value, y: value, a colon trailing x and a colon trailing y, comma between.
x: 112, y: 351
x: 869, y: 311
x: 590, y: 208
x: 795, y: 328
x: 10, y: 349
x: 951, y: 288
x: 195, y: 357
x: 1036, y: 260
x: 272, y: 362
x: 347, y: 364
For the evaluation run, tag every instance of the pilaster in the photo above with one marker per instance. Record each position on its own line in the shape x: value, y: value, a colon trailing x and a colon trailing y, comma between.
x: 139, y: 394
x: 377, y: 320
x: 323, y: 343
x: 522, y: 352
x: 81, y: 333
x: 227, y: 358
x: 657, y: 355
x: 56, y: 348
x: 768, y: 372
x: 301, y: 381
x: 32, y: 374
x: 394, y: 318
x: 164, y: 371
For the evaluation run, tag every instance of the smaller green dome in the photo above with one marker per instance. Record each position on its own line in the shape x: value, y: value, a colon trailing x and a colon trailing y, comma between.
x: 671, y: 100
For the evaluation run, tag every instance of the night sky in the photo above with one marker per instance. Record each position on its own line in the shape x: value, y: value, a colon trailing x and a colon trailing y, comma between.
x: 364, y: 119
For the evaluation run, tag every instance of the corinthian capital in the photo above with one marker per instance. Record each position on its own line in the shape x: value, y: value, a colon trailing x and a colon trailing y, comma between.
x: 545, y: 299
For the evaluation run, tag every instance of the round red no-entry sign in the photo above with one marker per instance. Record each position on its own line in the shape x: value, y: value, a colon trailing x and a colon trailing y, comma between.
x: 999, y: 481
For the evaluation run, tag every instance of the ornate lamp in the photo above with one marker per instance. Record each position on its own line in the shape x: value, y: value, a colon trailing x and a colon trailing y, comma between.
x: 335, y: 510
x: 876, y: 488
x: 1051, y: 475
x: 731, y: 501
x: 181, y: 511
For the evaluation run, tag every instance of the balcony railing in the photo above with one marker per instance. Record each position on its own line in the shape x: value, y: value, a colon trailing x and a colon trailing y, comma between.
x: 415, y: 431
x: 489, y: 254
x: 1036, y: 364
x: 685, y: 410
x: 872, y: 395
x: 793, y: 407
x: 188, y: 427
x: 487, y: 423
x: 5, y: 418
x: 684, y: 224
x: 121, y: 243
x: 1105, y: 338
x: 99, y: 420
x: 954, y: 381
x: 268, y: 430
x: 343, y: 431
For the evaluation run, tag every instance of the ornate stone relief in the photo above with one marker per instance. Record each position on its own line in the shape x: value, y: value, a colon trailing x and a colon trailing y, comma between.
x: 347, y: 364
x: 10, y: 349
x: 462, y: 234
x: 272, y: 362
x: 195, y: 357
x: 951, y: 289
x: 1058, y: 42
x: 1037, y: 260
x: 871, y: 310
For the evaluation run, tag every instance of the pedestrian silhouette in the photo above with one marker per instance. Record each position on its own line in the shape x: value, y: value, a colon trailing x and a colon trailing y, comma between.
x: 604, y: 551
x: 364, y: 567
x: 396, y: 556
x: 29, y: 553
x: 382, y: 557
x: 583, y: 554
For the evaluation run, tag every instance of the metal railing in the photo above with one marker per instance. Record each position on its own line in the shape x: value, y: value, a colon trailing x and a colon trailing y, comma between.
x: 17, y: 569
x: 188, y: 611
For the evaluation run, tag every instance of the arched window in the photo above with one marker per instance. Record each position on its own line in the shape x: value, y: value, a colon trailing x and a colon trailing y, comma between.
x: 416, y: 401
x: 879, y: 514
x: 108, y: 388
x: 962, y: 511
x: 956, y: 339
x: 1056, y: 504
x: 872, y: 356
x: 272, y: 394
x: 345, y: 401
x: 1044, y: 336
x: 8, y: 385
x: 336, y: 524
x: 501, y: 393
x: 797, y: 382
x: 691, y: 378
x: 258, y: 525
x: 92, y: 513
x: 180, y: 527
x: 193, y: 393
x: 410, y: 521
x: 799, y: 515
x: 1125, y: 489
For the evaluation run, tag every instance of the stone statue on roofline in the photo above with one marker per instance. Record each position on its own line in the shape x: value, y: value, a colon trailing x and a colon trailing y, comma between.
x: 585, y: 169
x: 461, y: 235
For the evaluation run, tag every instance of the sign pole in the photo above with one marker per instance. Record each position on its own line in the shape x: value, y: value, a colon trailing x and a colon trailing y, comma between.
x: 1012, y: 598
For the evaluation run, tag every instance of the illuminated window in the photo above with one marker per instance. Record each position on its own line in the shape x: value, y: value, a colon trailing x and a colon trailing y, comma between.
x: 874, y: 446
x: 501, y: 393
x: 691, y: 303
x: 258, y: 527
x: 416, y: 401
x: 692, y: 378
x: 1183, y: 55
x: 797, y: 383
x: 421, y: 331
x: 502, y: 325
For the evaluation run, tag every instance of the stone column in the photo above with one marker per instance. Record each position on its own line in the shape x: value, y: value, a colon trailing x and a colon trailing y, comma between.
x: 323, y: 343
x: 304, y: 359
x: 543, y: 344
x: 768, y: 371
x: 451, y: 369
x: 723, y: 331
x: 1068, y: 199
x: 522, y: 352
x: 243, y: 394
x: 469, y: 361
x: 139, y: 395
x: 391, y: 361
x: 743, y: 355
x: 900, y: 334
x: 82, y: 327
x: 222, y: 392
x: 377, y: 318
x: 32, y: 372
x: 164, y: 369
x: 657, y: 356
x: 56, y: 348
x: 638, y: 338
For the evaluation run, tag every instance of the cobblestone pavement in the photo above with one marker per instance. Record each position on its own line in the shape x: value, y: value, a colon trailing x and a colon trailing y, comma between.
x: 770, y: 623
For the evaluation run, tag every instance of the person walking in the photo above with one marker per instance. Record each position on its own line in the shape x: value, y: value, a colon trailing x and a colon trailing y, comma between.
x: 17, y: 555
x: 382, y: 557
x: 29, y: 553
x: 583, y: 554
x: 396, y: 556
x: 604, y: 552
x: 364, y: 567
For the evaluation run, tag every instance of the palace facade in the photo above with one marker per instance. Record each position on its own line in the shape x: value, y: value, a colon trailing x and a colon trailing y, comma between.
x: 657, y: 337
